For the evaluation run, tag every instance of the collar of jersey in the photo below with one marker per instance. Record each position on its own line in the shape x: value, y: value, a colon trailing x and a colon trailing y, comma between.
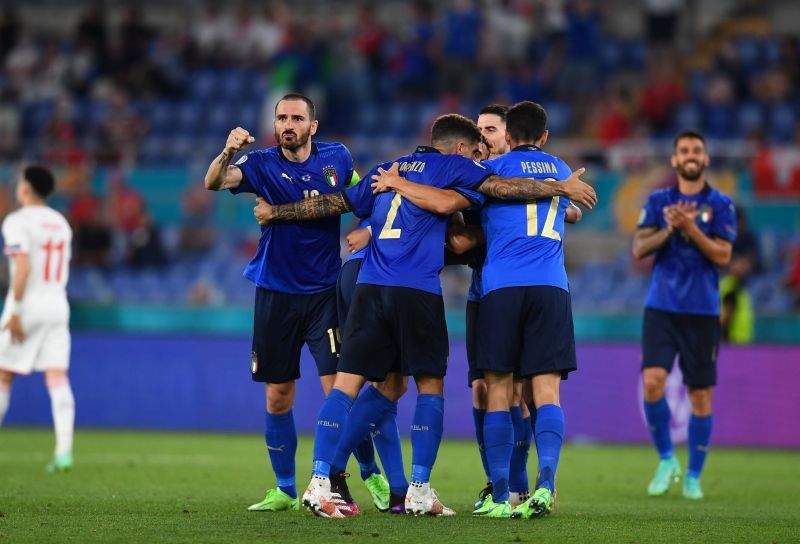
x: 527, y: 147
x: 314, y: 151
x: 426, y: 149
x: 703, y: 192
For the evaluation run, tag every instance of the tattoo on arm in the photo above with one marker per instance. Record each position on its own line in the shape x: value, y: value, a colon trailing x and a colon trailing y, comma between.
x: 520, y: 188
x: 315, y: 207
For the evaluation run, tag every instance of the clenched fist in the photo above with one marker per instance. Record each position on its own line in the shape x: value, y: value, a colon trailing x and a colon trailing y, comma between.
x: 238, y: 139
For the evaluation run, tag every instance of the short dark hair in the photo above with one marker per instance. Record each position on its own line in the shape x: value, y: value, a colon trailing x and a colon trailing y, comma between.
x: 526, y: 121
x: 312, y: 111
x: 452, y: 126
x: 688, y: 134
x: 495, y: 109
x: 40, y: 179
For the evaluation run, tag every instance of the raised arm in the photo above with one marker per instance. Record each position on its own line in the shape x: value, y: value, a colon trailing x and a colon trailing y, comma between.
x: 221, y: 175
x: 533, y: 189
x: 432, y: 199
x: 315, y: 207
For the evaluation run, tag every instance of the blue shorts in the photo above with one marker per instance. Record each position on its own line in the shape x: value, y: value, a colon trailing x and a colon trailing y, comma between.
x: 345, y: 286
x: 472, y: 342
x: 527, y: 331
x: 394, y: 329
x: 694, y: 337
x: 282, y: 323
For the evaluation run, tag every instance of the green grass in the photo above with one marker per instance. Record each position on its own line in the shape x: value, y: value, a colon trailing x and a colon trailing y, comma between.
x: 154, y: 487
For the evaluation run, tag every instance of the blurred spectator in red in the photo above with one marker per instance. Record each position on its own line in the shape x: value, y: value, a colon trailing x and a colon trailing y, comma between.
x: 120, y: 131
x: 660, y: 94
x: 614, y: 115
x: 197, y: 231
x: 93, y: 236
x: 59, y: 136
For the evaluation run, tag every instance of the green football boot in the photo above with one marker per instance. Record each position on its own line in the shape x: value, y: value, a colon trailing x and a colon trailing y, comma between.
x: 540, y: 504
x: 691, y: 488
x: 491, y: 509
x: 668, y: 471
x: 379, y: 489
x: 60, y: 463
x: 275, y: 501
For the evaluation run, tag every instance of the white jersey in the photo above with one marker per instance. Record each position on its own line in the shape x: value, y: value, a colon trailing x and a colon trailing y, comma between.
x: 46, y: 237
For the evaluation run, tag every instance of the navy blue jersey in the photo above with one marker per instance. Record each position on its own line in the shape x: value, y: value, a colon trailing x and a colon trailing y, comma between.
x: 298, y: 257
x: 524, y: 239
x: 364, y: 223
x: 407, y: 246
x: 472, y: 216
x: 684, y: 280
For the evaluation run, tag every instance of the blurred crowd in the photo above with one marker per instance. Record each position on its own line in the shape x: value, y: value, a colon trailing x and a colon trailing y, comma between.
x: 161, y: 84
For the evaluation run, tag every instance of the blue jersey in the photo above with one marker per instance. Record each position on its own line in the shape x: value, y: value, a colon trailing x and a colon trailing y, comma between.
x: 364, y: 223
x: 524, y: 239
x: 296, y: 257
x: 472, y: 216
x: 684, y: 280
x: 407, y: 246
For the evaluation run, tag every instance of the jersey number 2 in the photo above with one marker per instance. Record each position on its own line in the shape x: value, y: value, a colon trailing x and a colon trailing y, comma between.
x: 49, y: 248
x: 533, y: 220
x: 387, y: 231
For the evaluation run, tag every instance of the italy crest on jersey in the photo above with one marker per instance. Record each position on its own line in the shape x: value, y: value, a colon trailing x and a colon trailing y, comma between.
x: 330, y: 176
x: 705, y: 213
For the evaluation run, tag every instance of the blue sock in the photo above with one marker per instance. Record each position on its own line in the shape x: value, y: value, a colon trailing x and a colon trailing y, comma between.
x: 368, y: 410
x: 387, y: 442
x: 518, y: 476
x: 426, y: 435
x: 658, y: 416
x: 365, y: 455
x: 330, y: 422
x: 498, y: 431
x: 281, y: 438
x: 699, y: 439
x: 478, y: 414
x: 549, y: 437
x: 532, y: 410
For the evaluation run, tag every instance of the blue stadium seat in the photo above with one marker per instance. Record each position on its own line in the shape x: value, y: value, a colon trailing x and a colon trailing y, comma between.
x: 782, y: 120
x: 612, y: 55
x: 719, y: 121
x: 749, y: 52
x: 559, y: 115
x: 203, y: 84
x: 750, y: 116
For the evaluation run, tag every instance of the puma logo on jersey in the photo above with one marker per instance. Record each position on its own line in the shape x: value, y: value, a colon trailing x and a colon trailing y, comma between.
x: 279, y: 448
x: 287, y: 176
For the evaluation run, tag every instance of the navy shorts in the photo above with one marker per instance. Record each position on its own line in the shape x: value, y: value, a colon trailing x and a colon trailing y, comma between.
x: 345, y: 285
x: 394, y: 329
x: 472, y: 342
x: 282, y: 323
x: 527, y: 331
x: 694, y: 337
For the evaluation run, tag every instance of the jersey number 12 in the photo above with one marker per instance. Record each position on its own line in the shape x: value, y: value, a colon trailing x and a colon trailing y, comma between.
x: 533, y: 220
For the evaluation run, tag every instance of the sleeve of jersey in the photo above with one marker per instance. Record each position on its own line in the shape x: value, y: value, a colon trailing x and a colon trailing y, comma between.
x: 648, y: 217
x: 724, y: 225
x: 248, y: 164
x: 466, y: 176
x: 14, y: 237
x: 360, y: 197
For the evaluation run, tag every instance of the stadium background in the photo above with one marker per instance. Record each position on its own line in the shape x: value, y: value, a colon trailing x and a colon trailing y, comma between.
x: 130, y: 102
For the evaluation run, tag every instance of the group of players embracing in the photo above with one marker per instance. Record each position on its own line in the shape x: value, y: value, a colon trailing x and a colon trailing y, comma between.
x: 482, y: 194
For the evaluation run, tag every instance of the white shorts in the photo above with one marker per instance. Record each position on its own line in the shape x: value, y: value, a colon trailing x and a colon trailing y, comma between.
x: 46, y: 347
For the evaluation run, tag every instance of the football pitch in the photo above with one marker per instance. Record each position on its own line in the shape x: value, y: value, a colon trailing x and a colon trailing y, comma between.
x: 160, y: 487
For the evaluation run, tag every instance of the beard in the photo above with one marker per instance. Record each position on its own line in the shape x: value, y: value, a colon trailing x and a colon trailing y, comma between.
x: 690, y: 173
x: 295, y: 141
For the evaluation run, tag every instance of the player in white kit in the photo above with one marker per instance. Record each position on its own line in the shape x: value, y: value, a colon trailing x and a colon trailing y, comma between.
x: 35, y: 320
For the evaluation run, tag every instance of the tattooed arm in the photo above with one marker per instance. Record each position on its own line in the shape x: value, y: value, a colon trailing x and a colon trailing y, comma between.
x: 315, y: 207
x: 534, y: 189
x: 221, y: 175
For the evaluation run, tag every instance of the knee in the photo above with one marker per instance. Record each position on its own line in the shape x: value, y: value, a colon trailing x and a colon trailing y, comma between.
x: 653, y: 388
x: 429, y: 385
x: 701, y: 401
x: 54, y: 378
x: 392, y: 388
x: 279, y: 399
